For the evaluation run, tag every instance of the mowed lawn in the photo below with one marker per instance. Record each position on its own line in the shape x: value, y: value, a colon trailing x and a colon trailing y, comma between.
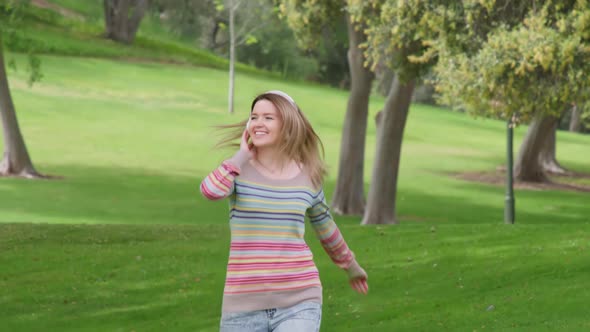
x: 123, y: 240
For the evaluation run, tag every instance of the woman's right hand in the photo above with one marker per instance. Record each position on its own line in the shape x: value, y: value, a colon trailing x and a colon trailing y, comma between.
x: 247, y: 147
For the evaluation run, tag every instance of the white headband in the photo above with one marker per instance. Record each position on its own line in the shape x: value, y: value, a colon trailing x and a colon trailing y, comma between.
x: 278, y: 93
x: 282, y: 94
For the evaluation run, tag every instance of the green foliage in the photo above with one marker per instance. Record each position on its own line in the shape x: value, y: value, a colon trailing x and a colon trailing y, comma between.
x: 275, y: 50
x: 495, y: 58
x: 537, y: 66
x: 399, y: 33
x: 307, y: 18
x: 320, y: 29
x: 42, y: 31
x: 12, y: 36
x: 186, y: 18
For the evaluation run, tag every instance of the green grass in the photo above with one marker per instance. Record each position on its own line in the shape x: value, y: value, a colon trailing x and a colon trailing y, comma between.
x: 46, y: 32
x: 125, y: 242
x: 156, y: 277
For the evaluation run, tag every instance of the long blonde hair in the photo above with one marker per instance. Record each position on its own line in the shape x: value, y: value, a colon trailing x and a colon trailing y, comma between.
x: 299, y: 142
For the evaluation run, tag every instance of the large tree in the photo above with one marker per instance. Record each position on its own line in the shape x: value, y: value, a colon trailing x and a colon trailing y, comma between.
x: 122, y: 19
x: 533, y: 70
x: 16, y: 160
x: 548, y: 154
x: 409, y: 36
x: 308, y: 18
x: 394, y: 39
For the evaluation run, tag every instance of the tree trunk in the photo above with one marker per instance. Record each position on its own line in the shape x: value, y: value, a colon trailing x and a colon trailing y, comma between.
x: 547, y: 156
x: 213, y: 45
x: 109, y: 17
x: 575, y: 121
x: 349, y: 197
x: 232, y: 58
x: 119, y: 25
x: 141, y: 7
x: 381, y: 202
x: 16, y: 160
x: 528, y: 165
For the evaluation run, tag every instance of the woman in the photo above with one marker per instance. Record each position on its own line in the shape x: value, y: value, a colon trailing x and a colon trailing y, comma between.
x: 273, y: 182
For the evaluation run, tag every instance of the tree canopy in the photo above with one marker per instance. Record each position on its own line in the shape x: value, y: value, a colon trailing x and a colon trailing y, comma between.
x: 539, y: 65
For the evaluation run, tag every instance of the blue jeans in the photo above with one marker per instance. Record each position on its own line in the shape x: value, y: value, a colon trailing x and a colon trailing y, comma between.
x: 302, y: 317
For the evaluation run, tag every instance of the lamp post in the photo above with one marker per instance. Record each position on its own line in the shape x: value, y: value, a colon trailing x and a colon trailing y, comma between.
x: 509, y: 200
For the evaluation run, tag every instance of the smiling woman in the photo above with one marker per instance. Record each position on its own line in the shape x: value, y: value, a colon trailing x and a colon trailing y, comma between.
x: 273, y: 183
x: 264, y: 124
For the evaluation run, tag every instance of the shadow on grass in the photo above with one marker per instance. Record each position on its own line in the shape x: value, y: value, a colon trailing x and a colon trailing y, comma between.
x: 484, y: 204
x: 111, y: 277
x: 101, y: 195
x: 109, y: 195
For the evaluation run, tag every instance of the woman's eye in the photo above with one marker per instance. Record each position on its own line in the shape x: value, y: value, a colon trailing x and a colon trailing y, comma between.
x: 269, y: 118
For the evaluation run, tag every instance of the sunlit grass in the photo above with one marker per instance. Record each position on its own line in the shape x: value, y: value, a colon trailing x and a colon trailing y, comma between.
x: 125, y: 242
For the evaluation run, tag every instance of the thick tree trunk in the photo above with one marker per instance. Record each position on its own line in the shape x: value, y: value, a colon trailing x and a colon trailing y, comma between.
x: 547, y: 156
x: 141, y: 7
x: 349, y: 197
x: 382, y: 194
x: 122, y: 19
x: 16, y: 160
x: 528, y: 165
x: 232, y: 58
x: 575, y: 121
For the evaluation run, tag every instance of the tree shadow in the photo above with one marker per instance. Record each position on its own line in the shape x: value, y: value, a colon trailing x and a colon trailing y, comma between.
x: 88, y: 194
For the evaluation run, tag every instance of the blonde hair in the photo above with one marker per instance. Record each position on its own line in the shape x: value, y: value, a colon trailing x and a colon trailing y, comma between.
x: 299, y: 142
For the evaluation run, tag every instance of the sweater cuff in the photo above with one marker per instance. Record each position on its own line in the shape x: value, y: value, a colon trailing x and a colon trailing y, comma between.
x: 239, y: 159
x: 354, y: 270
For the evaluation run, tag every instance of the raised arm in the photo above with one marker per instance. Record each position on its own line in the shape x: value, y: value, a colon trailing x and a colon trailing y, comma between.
x: 220, y: 183
x: 333, y: 243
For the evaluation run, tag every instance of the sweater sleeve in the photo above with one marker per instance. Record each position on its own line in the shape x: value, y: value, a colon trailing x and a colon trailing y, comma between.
x: 220, y: 183
x: 328, y: 233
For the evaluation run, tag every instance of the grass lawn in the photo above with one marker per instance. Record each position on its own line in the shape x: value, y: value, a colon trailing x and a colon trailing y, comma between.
x: 125, y: 242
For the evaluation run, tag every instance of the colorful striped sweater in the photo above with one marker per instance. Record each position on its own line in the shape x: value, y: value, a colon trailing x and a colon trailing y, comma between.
x: 270, y: 265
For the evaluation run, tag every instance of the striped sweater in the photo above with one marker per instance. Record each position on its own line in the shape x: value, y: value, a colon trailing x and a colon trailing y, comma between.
x: 270, y: 265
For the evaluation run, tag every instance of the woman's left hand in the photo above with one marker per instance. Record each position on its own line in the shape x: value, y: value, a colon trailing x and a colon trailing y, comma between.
x: 360, y: 285
x: 357, y: 278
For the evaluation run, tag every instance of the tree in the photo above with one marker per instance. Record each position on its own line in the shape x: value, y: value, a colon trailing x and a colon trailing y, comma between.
x: 308, y: 18
x: 409, y: 37
x: 255, y: 13
x: 548, y: 154
x: 529, y: 166
x: 394, y: 39
x: 381, y: 202
x: 349, y: 192
x: 533, y: 70
x: 16, y: 160
x: 122, y: 19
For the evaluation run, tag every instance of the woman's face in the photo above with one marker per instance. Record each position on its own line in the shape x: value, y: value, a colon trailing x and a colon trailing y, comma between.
x: 265, y: 124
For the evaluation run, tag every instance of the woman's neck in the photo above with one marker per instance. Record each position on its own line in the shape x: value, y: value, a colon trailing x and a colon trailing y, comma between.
x: 271, y: 160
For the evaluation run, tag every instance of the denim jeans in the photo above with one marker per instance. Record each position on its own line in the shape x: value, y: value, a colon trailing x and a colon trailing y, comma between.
x: 302, y: 317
